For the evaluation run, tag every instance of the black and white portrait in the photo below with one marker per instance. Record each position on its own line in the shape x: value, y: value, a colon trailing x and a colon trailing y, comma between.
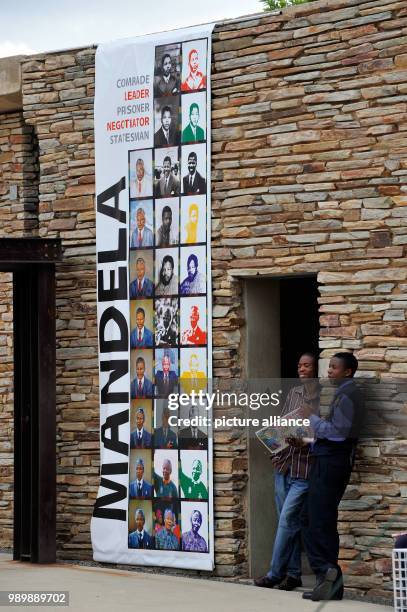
x: 167, y: 70
x: 166, y: 172
x: 166, y: 122
x: 166, y: 322
x: 166, y: 222
x: 193, y: 169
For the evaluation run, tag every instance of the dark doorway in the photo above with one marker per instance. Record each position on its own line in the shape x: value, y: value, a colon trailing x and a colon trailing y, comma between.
x: 299, y: 321
x: 32, y: 262
x: 282, y: 322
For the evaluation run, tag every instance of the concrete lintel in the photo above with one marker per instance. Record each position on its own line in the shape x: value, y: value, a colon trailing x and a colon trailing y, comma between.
x: 11, y: 98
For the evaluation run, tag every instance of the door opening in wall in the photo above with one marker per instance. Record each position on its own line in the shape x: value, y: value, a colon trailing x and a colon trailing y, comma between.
x: 32, y: 263
x: 282, y: 322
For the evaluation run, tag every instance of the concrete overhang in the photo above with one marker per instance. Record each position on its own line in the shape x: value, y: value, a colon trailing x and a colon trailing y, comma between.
x: 11, y: 98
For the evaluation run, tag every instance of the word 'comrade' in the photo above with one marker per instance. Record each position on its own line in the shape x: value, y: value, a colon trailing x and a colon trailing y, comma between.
x: 133, y: 81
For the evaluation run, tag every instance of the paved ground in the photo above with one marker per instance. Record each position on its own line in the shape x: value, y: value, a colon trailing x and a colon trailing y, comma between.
x: 98, y: 589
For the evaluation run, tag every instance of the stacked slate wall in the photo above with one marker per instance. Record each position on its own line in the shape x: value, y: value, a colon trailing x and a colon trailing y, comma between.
x: 309, y: 161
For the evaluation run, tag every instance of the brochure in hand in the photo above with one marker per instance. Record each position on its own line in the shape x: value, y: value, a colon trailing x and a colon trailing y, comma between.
x: 274, y: 438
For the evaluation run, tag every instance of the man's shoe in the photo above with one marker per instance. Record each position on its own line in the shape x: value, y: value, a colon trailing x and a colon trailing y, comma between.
x: 324, y: 591
x: 290, y: 583
x: 267, y: 582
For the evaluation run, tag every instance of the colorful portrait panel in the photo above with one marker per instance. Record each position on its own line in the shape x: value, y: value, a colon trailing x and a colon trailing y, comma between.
x: 193, y: 474
x: 193, y: 321
x: 165, y: 476
x: 140, y: 174
x: 167, y: 524
x: 140, y: 474
x: 194, y: 65
x: 141, y: 324
x: 194, y: 523
x: 141, y: 529
x: 141, y: 423
x: 141, y: 272
x: 193, y: 369
x: 193, y: 118
x: 193, y: 219
x: 166, y: 372
x: 141, y: 224
x: 141, y: 373
x: 192, y: 270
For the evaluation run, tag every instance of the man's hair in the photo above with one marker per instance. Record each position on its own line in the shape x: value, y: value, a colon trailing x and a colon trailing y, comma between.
x: 164, y: 58
x: 192, y: 207
x: 198, y: 462
x: 309, y: 354
x: 167, y: 258
x: 142, y: 312
x: 140, y: 360
x: 193, y: 105
x: 140, y: 162
x: 141, y: 411
x: 139, y: 511
x: 349, y: 361
x: 196, y: 512
x: 166, y: 209
x: 169, y: 511
x: 166, y: 109
x: 190, y: 54
x: 140, y: 462
x: 167, y: 158
x: 194, y: 155
x: 141, y: 210
x: 140, y: 260
x: 194, y: 258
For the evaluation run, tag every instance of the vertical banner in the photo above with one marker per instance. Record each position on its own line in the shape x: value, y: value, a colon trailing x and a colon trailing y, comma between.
x: 152, y: 144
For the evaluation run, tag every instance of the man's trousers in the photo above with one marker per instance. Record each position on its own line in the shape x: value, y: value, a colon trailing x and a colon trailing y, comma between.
x: 327, y: 483
x: 290, y: 495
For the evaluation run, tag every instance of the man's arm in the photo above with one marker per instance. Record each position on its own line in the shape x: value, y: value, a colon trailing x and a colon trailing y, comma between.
x: 157, y: 481
x: 339, y: 425
x: 183, y: 481
x: 287, y: 404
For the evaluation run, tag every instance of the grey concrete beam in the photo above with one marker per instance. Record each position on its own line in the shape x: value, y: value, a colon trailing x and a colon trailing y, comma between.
x: 11, y: 98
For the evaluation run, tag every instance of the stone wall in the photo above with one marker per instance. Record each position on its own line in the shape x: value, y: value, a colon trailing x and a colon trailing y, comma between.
x: 309, y: 166
x: 6, y: 411
x: 18, y: 177
x: 309, y: 158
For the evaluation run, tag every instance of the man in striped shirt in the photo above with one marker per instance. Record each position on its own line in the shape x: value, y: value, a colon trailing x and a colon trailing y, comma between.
x: 292, y: 466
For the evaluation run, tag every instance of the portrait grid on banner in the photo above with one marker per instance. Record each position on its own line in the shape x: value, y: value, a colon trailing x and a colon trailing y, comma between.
x: 169, y: 479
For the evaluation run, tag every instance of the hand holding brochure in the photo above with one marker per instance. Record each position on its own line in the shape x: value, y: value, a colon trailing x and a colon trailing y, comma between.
x: 274, y: 437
